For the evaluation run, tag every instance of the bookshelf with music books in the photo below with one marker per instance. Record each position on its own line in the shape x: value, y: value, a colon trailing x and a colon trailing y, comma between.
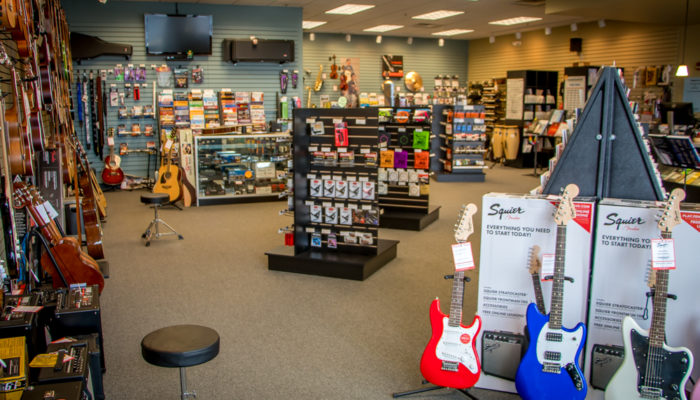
x: 336, y: 207
x: 461, y: 143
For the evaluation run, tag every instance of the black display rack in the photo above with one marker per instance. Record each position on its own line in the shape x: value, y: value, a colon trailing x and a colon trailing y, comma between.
x: 325, y: 241
x: 404, y: 193
x: 460, y: 143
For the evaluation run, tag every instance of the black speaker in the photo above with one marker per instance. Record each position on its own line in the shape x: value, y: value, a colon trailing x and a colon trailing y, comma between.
x: 576, y: 44
x: 606, y: 360
x: 501, y: 353
x: 260, y: 50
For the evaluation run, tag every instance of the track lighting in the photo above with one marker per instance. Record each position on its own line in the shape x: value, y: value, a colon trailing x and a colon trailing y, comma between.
x: 312, y: 37
x: 379, y: 39
x: 518, y: 35
x: 441, y: 42
x: 409, y: 40
x: 348, y: 37
x: 601, y: 23
x: 547, y: 31
x: 574, y: 27
x: 492, y: 39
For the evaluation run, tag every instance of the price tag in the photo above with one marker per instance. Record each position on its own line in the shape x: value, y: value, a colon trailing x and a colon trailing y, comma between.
x: 364, y: 179
x: 325, y: 231
x: 342, y: 149
x: 313, y: 148
x: 110, y: 140
x: 311, y: 176
x: 52, y: 213
x: 663, y: 254
x: 310, y: 120
x: 351, y: 178
x: 309, y: 203
x: 326, y: 177
x: 310, y: 230
x: 361, y: 121
x: 418, y: 150
x: 547, y: 265
x: 463, y: 257
x: 325, y: 149
x: 364, y: 151
x: 328, y: 204
x: 337, y: 120
x: 366, y: 207
x: 352, y: 206
x: 337, y: 177
x: 168, y: 144
x: 398, y: 151
x: 402, y: 130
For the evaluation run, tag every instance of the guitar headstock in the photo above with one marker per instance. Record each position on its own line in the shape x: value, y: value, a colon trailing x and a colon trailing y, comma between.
x: 566, y: 210
x: 534, y: 263
x: 671, y: 216
x: 22, y: 196
x: 465, y: 226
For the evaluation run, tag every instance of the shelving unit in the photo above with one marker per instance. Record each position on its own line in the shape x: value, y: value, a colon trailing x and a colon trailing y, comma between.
x: 240, y: 168
x: 404, y: 189
x: 336, y: 208
x: 461, y: 143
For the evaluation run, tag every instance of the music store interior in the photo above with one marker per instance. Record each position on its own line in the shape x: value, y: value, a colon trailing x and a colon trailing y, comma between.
x: 255, y: 199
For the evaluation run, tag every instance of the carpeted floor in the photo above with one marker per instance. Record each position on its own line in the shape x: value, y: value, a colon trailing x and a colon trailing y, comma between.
x: 283, y: 335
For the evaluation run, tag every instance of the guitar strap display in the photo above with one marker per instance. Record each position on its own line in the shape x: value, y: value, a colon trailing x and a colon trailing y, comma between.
x: 84, y: 101
x: 93, y: 113
x: 100, y: 116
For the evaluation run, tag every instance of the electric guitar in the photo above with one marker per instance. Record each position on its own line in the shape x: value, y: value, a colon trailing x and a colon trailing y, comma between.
x: 112, y: 174
x: 651, y: 369
x: 169, y: 178
x: 535, y: 266
x: 550, y: 367
x: 450, y: 358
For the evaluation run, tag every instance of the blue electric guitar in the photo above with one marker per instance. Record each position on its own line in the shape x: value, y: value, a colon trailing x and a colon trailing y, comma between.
x: 550, y: 368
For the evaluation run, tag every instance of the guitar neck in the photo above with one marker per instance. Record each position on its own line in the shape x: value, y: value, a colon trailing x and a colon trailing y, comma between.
x: 657, y: 331
x: 539, y: 298
x: 457, y: 299
x: 555, y: 312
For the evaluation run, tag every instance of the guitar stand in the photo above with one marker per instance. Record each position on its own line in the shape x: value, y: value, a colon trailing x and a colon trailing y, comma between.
x: 466, y: 278
x: 172, y: 204
x: 668, y: 295
x: 34, y: 232
x: 431, y: 388
x: 566, y: 278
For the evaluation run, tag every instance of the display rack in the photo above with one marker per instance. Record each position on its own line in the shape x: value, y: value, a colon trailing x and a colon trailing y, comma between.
x: 336, y: 208
x: 461, y: 141
x: 240, y: 168
x: 404, y: 183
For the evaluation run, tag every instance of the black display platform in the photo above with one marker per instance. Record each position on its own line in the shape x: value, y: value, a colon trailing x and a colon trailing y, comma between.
x: 337, y: 265
x: 460, y: 177
x: 413, y: 221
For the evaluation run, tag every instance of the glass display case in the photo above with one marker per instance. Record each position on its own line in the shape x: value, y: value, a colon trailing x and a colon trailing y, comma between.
x: 241, y: 167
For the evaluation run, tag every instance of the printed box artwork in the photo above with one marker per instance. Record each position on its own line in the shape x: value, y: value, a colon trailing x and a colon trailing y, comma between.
x: 620, y: 274
x: 511, y: 224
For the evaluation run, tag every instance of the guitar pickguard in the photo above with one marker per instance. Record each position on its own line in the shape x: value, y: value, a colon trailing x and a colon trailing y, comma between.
x: 667, y: 379
x: 455, y: 345
x: 557, y: 348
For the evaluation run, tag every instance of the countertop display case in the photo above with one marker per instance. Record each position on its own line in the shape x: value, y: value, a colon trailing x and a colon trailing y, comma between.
x: 233, y: 168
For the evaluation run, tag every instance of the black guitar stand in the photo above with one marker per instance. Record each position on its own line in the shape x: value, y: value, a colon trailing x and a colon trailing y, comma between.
x: 429, y: 389
x: 34, y: 232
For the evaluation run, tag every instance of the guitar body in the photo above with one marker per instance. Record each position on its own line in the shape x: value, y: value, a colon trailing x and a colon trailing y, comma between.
x: 188, y: 191
x: 112, y: 174
x: 76, y: 266
x: 168, y: 182
x: 452, y: 344
x: 93, y: 230
x: 674, y: 372
x: 531, y: 381
x: 100, y: 199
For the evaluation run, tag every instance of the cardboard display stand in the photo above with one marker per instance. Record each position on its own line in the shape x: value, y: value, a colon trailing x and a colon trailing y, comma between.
x: 619, y: 283
x: 510, y: 225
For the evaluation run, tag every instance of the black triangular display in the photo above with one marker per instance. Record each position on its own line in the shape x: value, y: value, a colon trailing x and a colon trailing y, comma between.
x: 606, y: 156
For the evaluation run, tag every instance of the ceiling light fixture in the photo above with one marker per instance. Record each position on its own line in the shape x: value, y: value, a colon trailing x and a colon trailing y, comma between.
x: 452, y: 32
x: 379, y: 39
x: 311, y: 24
x: 683, y: 68
x: 441, y: 42
x: 439, y: 14
x: 547, y: 31
x: 518, y: 35
x: 348, y: 37
x: 350, y: 9
x: 383, y: 28
x: 515, y: 21
x: 601, y: 23
x: 574, y: 27
x: 312, y: 36
x: 492, y: 39
x: 409, y: 40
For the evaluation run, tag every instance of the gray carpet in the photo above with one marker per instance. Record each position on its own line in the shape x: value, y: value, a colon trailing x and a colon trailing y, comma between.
x: 283, y: 335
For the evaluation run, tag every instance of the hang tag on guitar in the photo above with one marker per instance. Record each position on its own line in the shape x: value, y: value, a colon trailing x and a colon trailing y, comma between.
x: 663, y: 254
x: 168, y: 144
x: 463, y: 256
x: 547, y: 265
x: 52, y: 213
x: 110, y: 141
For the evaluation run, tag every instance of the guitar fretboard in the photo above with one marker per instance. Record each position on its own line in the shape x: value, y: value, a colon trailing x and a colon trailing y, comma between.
x: 555, y: 312
x: 457, y: 299
x: 539, y: 298
x: 657, y: 332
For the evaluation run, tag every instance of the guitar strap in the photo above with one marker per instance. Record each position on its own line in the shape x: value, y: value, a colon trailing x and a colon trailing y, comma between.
x: 83, y: 84
x: 93, y: 113
x: 100, y: 116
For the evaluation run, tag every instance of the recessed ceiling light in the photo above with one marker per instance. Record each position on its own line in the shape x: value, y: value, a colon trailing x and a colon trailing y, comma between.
x: 515, y: 21
x: 440, y: 14
x: 311, y: 24
x: 453, y: 32
x: 383, y: 28
x: 349, y: 9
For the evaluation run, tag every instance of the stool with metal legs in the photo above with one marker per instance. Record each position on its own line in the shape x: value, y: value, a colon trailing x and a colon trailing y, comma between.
x: 153, y: 230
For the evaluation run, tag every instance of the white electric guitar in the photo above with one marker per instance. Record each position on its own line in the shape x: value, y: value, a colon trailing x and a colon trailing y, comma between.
x: 651, y: 369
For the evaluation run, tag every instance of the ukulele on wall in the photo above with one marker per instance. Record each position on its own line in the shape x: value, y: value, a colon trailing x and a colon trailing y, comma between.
x: 651, y: 369
x: 450, y: 358
x: 550, y: 368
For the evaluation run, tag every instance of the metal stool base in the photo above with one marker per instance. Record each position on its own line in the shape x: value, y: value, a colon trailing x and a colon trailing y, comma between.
x: 153, y: 230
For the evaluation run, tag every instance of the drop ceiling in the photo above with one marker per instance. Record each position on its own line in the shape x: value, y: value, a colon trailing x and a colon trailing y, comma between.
x: 476, y: 14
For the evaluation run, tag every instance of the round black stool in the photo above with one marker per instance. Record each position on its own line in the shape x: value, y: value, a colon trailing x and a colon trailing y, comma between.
x: 157, y: 200
x: 180, y: 346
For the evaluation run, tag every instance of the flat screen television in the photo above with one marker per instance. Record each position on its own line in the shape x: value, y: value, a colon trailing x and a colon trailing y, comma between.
x: 178, y: 34
x: 682, y: 113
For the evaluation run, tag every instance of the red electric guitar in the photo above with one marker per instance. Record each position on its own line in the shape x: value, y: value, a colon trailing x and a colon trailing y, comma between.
x: 450, y: 358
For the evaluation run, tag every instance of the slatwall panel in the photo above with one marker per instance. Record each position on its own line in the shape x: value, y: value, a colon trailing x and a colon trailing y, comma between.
x: 423, y: 56
x: 122, y: 22
x: 628, y: 45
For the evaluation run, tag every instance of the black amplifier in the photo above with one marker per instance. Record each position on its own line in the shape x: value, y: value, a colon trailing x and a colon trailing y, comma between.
x: 78, y: 313
x: 94, y: 364
x: 62, y: 390
x: 606, y: 359
x: 501, y: 353
x: 14, y: 322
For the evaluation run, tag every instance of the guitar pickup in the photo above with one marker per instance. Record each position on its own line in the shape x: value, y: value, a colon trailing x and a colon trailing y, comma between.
x: 554, y: 337
x: 552, y: 356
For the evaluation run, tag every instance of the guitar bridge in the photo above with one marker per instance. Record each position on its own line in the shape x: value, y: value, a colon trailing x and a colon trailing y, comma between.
x: 552, y: 368
x: 648, y: 392
x: 450, y: 366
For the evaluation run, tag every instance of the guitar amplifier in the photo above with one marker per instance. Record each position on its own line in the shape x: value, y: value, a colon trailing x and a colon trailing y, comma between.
x: 76, y: 369
x: 62, y: 390
x: 501, y: 353
x: 606, y: 360
x: 18, y: 323
x: 78, y: 313
x: 94, y: 364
